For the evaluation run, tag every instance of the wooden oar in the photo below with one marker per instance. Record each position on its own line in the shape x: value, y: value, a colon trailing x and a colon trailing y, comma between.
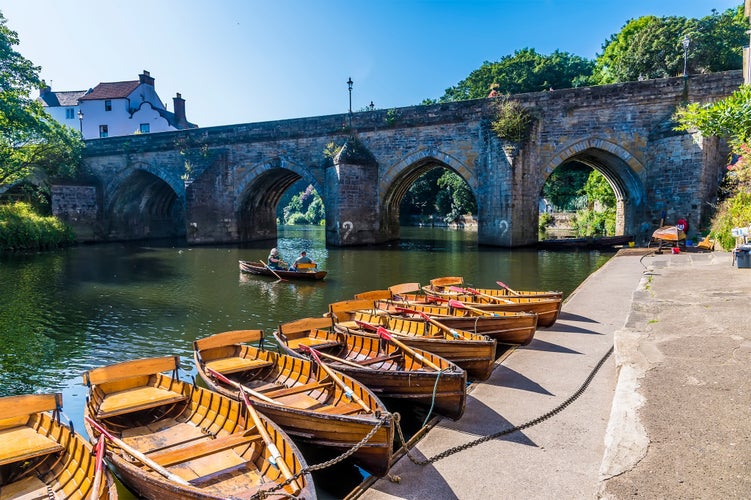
x: 504, y: 285
x: 276, y: 458
x: 427, y: 318
x: 462, y: 305
x: 238, y: 385
x: 472, y: 291
x: 98, y: 469
x: 384, y: 334
x: 347, y: 390
x: 137, y: 454
x: 272, y: 271
x: 343, y: 361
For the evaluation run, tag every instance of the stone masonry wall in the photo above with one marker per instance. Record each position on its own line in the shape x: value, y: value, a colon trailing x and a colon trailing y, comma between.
x: 624, y: 130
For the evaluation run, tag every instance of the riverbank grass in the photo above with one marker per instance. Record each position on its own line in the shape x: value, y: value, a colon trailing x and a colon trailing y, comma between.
x: 22, y: 229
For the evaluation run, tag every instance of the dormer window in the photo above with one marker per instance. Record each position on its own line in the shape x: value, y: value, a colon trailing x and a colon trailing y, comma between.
x: 108, y: 105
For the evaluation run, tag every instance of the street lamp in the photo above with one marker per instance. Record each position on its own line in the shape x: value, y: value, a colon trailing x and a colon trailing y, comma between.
x: 80, y: 121
x: 686, y: 42
x: 349, y: 86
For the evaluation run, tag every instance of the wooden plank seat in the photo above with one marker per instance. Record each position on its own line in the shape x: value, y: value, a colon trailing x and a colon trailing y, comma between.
x: 379, y: 359
x: 296, y: 389
x: 137, y: 399
x: 342, y: 409
x: 237, y: 364
x: 305, y: 266
x: 28, y: 488
x: 23, y: 443
x: 170, y: 457
x: 311, y: 342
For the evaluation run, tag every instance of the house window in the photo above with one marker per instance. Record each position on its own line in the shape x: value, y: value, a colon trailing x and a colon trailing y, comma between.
x: 144, y: 128
x: 69, y: 113
x: 103, y: 131
x: 108, y: 105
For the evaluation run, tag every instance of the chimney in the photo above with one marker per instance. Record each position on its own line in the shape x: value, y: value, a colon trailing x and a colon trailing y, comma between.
x: 44, y: 89
x: 146, y: 78
x: 178, y: 104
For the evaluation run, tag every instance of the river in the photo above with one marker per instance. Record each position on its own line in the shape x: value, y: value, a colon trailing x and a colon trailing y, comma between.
x: 65, y: 312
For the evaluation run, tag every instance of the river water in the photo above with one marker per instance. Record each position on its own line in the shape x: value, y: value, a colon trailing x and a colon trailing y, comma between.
x: 67, y: 311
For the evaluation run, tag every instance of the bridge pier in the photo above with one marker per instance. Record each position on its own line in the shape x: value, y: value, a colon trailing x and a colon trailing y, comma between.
x: 351, y: 190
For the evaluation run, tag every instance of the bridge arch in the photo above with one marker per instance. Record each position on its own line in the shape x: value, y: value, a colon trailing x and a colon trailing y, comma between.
x: 623, y: 171
x: 398, y: 178
x: 257, y: 194
x: 143, y: 204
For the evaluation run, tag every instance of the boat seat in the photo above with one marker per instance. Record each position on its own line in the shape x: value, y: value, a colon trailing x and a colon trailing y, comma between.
x: 311, y: 342
x: 166, y: 458
x: 29, y: 487
x: 137, y: 399
x: 237, y: 364
x: 345, y: 409
x: 303, y: 266
x: 23, y: 443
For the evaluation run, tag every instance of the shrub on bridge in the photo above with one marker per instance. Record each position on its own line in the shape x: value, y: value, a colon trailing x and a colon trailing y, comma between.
x: 21, y: 228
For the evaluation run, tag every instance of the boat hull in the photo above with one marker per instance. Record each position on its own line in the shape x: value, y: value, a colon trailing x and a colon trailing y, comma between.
x: 305, y: 403
x: 39, y: 455
x: 208, y: 440
x: 259, y: 269
x: 398, y: 376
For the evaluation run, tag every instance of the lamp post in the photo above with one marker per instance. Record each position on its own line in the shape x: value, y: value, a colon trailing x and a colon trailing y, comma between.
x: 686, y: 42
x: 349, y: 86
x: 80, y: 122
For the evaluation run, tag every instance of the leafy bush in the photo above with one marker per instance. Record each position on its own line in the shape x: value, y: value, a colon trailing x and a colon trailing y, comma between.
x: 513, y: 122
x: 733, y: 212
x: 21, y: 228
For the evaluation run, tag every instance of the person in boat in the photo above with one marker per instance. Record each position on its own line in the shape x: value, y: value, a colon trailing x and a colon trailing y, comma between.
x: 302, y: 259
x: 275, y: 260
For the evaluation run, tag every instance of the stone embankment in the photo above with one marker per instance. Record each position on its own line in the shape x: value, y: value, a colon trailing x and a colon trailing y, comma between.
x: 667, y: 415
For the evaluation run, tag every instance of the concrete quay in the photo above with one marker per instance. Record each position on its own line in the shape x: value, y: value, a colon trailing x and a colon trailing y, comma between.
x: 667, y: 416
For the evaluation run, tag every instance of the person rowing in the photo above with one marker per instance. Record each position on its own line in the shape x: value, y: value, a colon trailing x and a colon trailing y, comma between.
x: 276, y: 261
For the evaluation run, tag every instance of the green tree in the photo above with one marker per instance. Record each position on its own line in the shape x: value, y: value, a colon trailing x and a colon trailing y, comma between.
x: 651, y: 47
x: 563, y: 187
x: 524, y: 71
x: 729, y: 118
x: 32, y: 145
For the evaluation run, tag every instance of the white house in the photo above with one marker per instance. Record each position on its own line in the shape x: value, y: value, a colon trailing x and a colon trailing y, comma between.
x: 116, y: 108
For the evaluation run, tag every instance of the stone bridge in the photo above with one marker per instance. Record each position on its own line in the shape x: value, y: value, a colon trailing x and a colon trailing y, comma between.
x: 222, y: 184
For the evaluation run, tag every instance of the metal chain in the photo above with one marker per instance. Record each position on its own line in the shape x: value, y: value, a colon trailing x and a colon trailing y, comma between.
x: 507, y: 430
x: 323, y: 465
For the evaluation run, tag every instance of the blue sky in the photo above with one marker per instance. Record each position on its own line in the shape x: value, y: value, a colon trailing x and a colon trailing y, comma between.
x: 239, y: 61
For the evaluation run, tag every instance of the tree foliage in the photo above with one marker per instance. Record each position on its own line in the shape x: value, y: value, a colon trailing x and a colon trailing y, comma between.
x: 439, y: 192
x: 524, y: 71
x: 303, y: 208
x: 32, y: 145
x: 652, y: 47
x: 729, y: 118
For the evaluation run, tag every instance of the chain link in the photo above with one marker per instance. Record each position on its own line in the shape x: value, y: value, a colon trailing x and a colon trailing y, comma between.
x: 328, y: 463
x: 508, y: 430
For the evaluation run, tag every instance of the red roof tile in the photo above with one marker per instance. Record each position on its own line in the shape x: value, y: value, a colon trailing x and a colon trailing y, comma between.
x: 113, y: 90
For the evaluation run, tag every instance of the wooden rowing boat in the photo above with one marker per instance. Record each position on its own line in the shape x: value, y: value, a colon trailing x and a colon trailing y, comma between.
x: 470, y: 351
x: 385, y: 368
x: 300, y: 396
x: 170, y: 439
x: 441, y: 287
x: 258, y: 268
x: 516, y: 328
x: 546, y: 308
x: 42, y: 458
